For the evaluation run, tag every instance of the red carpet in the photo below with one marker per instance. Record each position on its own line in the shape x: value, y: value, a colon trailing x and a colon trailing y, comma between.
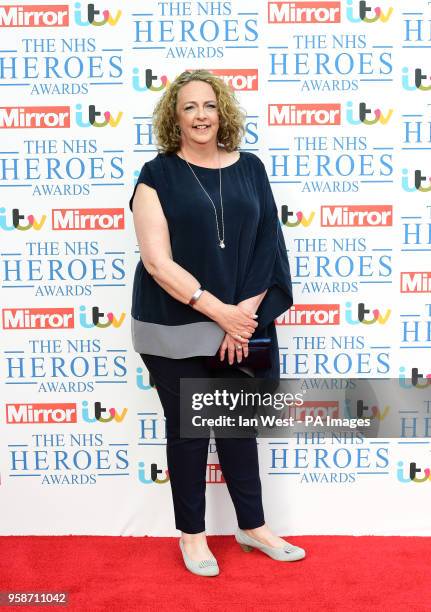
x: 369, y: 574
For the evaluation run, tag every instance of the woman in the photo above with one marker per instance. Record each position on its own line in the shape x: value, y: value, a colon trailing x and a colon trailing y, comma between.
x: 213, y: 273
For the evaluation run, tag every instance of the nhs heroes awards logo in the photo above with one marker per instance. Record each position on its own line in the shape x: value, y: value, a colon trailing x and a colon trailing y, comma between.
x: 317, y: 61
x: 339, y: 354
x: 50, y: 167
x: 63, y: 269
x: 67, y: 458
x: 195, y: 30
x: 65, y: 366
x: 321, y: 163
x: 60, y: 167
x: 339, y: 265
x: 328, y: 459
x: 59, y: 65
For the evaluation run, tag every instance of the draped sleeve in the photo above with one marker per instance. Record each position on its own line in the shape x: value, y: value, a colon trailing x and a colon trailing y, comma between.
x: 268, y: 266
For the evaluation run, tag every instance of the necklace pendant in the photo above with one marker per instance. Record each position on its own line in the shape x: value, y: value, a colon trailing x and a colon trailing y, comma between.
x: 222, y: 244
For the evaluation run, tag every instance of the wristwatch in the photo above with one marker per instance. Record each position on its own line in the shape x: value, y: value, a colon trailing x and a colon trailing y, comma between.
x: 197, y: 294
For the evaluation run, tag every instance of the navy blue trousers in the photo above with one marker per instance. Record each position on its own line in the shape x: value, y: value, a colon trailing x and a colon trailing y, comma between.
x: 187, y: 457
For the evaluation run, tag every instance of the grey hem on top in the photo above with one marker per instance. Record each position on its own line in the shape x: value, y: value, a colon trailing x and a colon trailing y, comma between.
x: 179, y: 341
x: 176, y: 341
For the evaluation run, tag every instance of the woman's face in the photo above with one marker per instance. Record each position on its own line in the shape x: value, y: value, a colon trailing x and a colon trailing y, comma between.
x: 196, y: 106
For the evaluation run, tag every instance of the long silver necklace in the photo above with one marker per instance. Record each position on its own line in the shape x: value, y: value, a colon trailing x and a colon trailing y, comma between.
x: 220, y: 236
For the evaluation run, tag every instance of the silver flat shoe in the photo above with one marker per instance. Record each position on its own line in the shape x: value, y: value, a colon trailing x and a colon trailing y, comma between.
x: 283, y: 553
x: 207, y: 567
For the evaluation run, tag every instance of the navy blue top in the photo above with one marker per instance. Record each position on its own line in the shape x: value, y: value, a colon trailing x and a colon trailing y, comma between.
x: 254, y: 258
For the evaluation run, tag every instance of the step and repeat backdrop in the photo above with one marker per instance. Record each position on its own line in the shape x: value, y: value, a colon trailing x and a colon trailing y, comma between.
x: 338, y: 99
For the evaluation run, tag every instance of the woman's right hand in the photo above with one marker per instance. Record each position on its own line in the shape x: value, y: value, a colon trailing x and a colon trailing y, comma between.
x: 237, y: 322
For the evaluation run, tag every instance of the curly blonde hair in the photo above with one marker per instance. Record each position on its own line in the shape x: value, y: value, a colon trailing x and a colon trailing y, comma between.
x: 231, y: 115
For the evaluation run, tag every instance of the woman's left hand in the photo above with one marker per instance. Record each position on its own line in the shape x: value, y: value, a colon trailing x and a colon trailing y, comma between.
x: 234, y: 349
